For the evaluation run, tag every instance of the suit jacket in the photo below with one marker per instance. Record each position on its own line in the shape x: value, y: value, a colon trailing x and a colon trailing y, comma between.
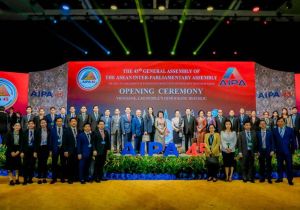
x: 235, y: 123
x: 149, y: 126
x: 94, y: 121
x: 126, y: 124
x: 69, y: 118
x: 50, y: 121
x: 268, y: 123
x: 241, y: 122
x: 269, y: 141
x: 25, y: 144
x: 81, y: 122
x: 70, y: 144
x: 215, y: 147
x: 115, y: 124
x: 3, y: 123
x: 189, y: 127
x: 24, y: 121
x: 10, y: 143
x: 37, y: 121
x: 255, y: 125
x: 287, y: 143
x: 242, y: 143
x: 84, y: 147
x: 54, y: 140
x: 99, y: 144
x: 107, y: 122
x: 137, y: 127
x: 273, y: 123
x: 296, y: 126
x: 65, y: 120
x: 38, y: 139
x: 12, y: 119
x: 220, y: 124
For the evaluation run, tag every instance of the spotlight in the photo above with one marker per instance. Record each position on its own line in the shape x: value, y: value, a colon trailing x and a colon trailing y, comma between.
x: 256, y: 9
x: 113, y: 7
x: 161, y: 7
x: 65, y: 7
x: 86, y: 52
x: 194, y: 53
x: 227, y: 22
x: 172, y: 53
x: 180, y: 21
x: 149, y: 53
x: 235, y: 52
x: 100, y: 21
x: 127, y: 52
x: 210, y: 8
x: 214, y: 52
x: 289, y: 5
x: 108, y: 52
x: 54, y: 21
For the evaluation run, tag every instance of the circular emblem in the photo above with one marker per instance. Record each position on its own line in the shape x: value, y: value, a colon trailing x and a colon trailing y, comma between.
x: 8, y: 93
x: 88, y: 78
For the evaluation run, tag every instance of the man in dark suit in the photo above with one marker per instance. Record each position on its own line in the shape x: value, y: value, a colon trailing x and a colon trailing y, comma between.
x: 116, y: 133
x: 51, y: 118
x: 234, y: 121
x: 95, y: 117
x: 72, y: 114
x: 25, y: 119
x: 12, y: 118
x: 137, y: 127
x: 58, y: 136
x: 265, y: 151
x: 241, y: 119
x: 63, y: 115
x: 101, y: 144
x: 247, y: 144
x: 70, y: 150
x: 189, y: 128
x: 126, y: 126
x: 27, y: 150
x: 84, y: 152
x: 83, y: 118
x: 220, y: 120
x: 3, y: 125
x: 285, y: 145
x: 107, y: 120
x: 268, y: 120
x: 295, y: 116
x: 37, y: 119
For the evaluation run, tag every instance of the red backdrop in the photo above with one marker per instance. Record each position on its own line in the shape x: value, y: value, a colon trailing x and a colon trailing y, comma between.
x: 297, y: 89
x: 162, y: 85
x: 14, y: 90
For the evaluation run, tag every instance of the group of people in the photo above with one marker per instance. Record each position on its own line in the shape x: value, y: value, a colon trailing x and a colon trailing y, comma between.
x: 78, y: 142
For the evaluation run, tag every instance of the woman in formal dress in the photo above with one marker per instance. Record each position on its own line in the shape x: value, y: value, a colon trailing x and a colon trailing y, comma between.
x: 37, y: 119
x: 201, y: 127
x: 274, y: 118
x: 254, y: 121
x: 13, y: 159
x: 286, y: 117
x: 177, y: 125
x: 212, y: 150
x: 160, y: 128
x: 228, y: 143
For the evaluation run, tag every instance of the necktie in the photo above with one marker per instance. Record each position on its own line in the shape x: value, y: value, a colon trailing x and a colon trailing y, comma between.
x: 188, y: 118
x: 128, y: 117
x: 294, y: 120
x: 281, y: 132
x: 102, y: 134
x: 263, y: 134
x: 83, y: 116
x: 249, y: 140
x: 30, y: 137
x: 211, y: 139
x: 28, y: 117
x: 139, y: 120
x: 96, y: 116
x: 89, y: 139
x: 59, y: 135
x: 72, y: 115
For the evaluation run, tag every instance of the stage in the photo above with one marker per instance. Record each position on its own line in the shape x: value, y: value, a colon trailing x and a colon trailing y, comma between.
x: 151, y: 195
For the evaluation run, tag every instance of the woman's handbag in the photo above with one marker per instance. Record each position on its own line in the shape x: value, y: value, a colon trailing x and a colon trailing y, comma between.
x: 145, y: 138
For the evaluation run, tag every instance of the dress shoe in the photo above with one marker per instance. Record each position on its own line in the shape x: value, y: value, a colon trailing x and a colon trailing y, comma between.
x: 291, y: 183
x: 104, y: 179
x: 62, y: 181
x: 215, y: 179
x: 24, y: 183
x: 270, y: 181
x: 40, y: 182
x: 70, y: 182
x: 53, y: 182
x: 261, y: 180
x: 17, y: 182
x: 209, y: 179
x: 97, y: 180
x: 11, y: 183
x: 82, y: 182
x: 44, y: 181
x: 252, y: 181
x: 278, y: 181
x: 30, y: 181
x: 245, y: 180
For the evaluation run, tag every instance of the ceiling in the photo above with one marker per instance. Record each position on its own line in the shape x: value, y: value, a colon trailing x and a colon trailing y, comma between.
x: 38, y: 34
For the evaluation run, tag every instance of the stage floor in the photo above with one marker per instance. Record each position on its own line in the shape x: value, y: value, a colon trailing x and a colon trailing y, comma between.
x: 151, y: 195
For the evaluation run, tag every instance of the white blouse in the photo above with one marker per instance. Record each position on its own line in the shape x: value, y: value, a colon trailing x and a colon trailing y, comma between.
x: 228, y: 140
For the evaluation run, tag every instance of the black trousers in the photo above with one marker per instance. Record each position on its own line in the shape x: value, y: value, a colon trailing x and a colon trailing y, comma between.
x: 72, y: 166
x: 28, y: 165
x: 43, y: 155
x: 288, y: 163
x: 99, y: 166
x: 58, y: 171
x: 265, y: 167
x: 248, y: 165
x: 187, y: 139
x: 297, y: 135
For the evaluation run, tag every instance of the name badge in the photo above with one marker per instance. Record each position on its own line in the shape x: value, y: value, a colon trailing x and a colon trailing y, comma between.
x: 102, y: 142
x: 90, y: 146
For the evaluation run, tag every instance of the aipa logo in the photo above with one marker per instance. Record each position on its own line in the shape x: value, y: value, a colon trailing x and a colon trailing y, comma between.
x: 8, y: 93
x: 88, y: 78
x: 232, y: 77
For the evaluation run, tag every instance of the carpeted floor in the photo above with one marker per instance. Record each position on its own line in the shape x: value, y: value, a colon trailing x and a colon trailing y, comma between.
x: 151, y: 195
